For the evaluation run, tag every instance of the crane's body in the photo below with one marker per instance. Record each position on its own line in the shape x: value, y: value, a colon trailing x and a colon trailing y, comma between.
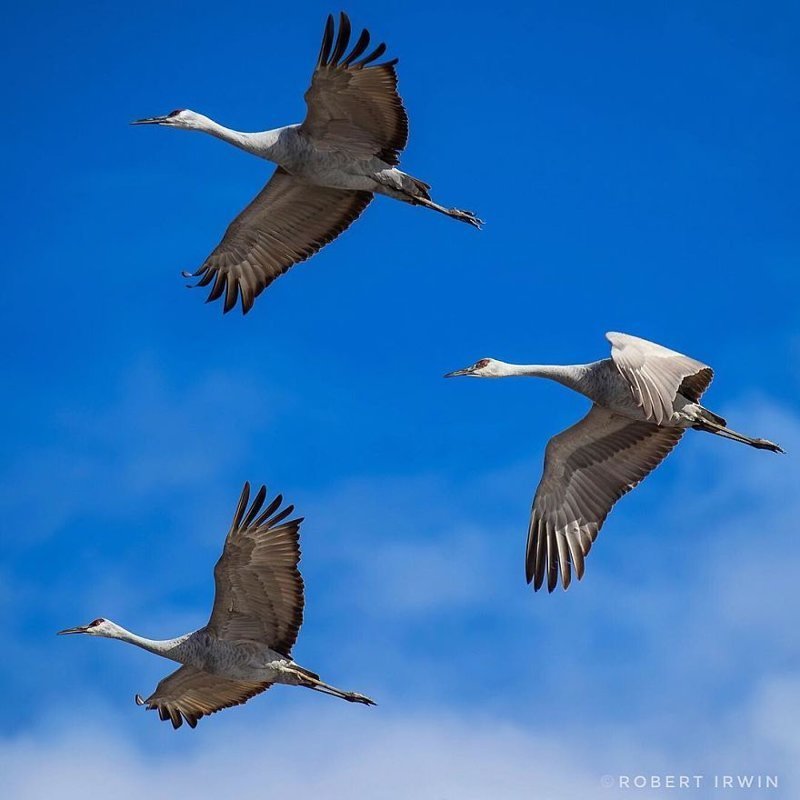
x: 234, y: 659
x: 330, y: 166
x: 305, y: 158
x: 643, y: 399
x: 246, y: 646
x: 239, y: 659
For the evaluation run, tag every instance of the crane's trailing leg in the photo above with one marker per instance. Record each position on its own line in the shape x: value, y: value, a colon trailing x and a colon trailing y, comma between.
x: 717, y: 425
x: 304, y: 677
x: 455, y: 213
x: 352, y: 697
x: 300, y: 676
x: 395, y: 183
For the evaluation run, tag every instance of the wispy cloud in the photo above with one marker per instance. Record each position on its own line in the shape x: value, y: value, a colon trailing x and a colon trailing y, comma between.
x: 675, y: 646
x: 432, y: 755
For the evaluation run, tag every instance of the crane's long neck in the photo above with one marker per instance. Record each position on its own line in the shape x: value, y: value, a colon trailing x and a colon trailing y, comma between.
x: 174, y: 649
x: 263, y: 143
x: 571, y: 375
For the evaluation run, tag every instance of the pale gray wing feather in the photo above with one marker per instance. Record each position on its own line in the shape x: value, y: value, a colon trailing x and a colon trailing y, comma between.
x: 189, y: 693
x: 287, y: 222
x: 657, y: 375
x: 259, y: 590
x: 353, y: 105
x: 587, y: 468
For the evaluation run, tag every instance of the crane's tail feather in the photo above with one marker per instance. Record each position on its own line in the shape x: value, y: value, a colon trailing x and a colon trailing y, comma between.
x: 712, y: 425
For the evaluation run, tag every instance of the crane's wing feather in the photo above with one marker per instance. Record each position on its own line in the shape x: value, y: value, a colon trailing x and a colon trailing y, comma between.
x: 656, y: 374
x: 259, y: 590
x: 287, y: 222
x: 587, y: 468
x: 189, y: 693
x: 353, y: 104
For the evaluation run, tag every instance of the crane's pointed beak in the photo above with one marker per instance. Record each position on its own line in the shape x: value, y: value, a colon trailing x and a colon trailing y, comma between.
x: 79, y: 629
x: 458, y: 372
x: 150, y: 121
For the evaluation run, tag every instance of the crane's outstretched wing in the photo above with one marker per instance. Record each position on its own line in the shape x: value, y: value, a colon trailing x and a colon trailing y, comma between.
x: 189, y: 693
x: 259, y: 591
x: 353, y: 104
x: 287, y: 222
x: 587, y: 468
x: 657, y: 374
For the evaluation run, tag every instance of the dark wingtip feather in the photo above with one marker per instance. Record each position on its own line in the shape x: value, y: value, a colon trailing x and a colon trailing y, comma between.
x: 528, y: 571
x: 359, y: 47
x: 280, y: 516
x: 244, y: 497
x: 327, y: 41
x: 255, y: 507
x: 580, y: 570
x: 552, y: 574
x: 231, y: 295
x: 342, y: 40
x: 205, y: 277
x: 247, y: 302
x: 376, y: 53
x: 218, y: 288
x: 538, y: 576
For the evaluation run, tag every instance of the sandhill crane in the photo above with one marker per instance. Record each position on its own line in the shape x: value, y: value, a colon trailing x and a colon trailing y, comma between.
x: 644, y: 397
x: 246, y: 645
x: 329, y: 168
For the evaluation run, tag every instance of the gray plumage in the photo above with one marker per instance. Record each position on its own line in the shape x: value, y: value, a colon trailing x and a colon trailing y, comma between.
x: 644, y: 397
x: 246, y: 645
x: 329, y: 168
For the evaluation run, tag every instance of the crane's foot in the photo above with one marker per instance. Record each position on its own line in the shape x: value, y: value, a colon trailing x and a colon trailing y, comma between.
x: 356, y: 697
x: 465, y: 216
x: 766, y: 444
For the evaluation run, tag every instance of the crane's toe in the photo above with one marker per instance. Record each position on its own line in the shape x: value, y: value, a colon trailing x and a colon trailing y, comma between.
x: 466, y: 216
x: 357, y: 697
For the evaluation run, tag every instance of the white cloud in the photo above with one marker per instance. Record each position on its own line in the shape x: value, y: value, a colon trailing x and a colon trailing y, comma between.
x: 346, y: 752
x: 692, y: 589
x: 356, y: 753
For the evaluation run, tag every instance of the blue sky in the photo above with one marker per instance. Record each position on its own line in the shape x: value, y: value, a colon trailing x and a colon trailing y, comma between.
x: 636, y: 167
